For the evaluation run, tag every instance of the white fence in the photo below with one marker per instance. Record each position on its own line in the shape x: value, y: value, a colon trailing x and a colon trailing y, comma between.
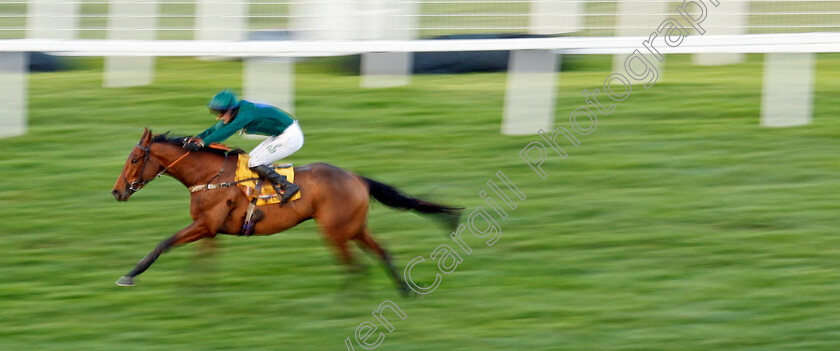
x: 131, y: 33
x: 180, y: 19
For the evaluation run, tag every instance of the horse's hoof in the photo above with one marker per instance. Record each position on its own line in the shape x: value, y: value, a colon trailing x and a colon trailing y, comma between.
x: 407, y: 292
x: 125, y: 281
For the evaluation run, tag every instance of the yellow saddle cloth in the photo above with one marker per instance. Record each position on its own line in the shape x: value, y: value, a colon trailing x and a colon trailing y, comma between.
x: 247, y: 181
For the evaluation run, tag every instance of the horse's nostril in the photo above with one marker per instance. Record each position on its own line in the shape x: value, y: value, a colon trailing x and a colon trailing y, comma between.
x: 116, y: 194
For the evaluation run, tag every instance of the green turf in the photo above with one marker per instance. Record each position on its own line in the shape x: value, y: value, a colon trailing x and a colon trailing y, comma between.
x: 679, y: 224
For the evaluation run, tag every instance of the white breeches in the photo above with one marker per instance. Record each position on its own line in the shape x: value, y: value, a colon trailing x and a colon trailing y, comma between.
x: 277, y: 147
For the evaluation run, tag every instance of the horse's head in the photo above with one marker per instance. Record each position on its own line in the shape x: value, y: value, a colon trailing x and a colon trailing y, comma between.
x: 140, y: 168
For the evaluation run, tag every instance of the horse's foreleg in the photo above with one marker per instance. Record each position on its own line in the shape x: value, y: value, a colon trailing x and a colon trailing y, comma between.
x: 193, y: 232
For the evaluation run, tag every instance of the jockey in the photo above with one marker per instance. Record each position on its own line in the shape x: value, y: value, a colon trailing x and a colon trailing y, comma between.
x: 284, y: 135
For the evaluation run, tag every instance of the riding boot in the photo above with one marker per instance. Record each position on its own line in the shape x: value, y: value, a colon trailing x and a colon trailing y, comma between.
x: 278, y: 181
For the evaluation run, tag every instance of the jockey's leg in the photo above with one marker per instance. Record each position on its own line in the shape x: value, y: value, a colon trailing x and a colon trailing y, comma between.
x: 278, y: 181
x: 273, y: 149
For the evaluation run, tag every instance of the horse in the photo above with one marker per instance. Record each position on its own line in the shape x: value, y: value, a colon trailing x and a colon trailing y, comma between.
x: 335, y: 198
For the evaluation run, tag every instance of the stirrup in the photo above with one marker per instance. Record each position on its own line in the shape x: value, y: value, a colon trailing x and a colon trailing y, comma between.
x: 288, y: 193
x: 277, y: 188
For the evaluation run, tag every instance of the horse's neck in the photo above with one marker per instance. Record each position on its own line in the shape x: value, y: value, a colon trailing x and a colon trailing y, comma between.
x: 195, y: 168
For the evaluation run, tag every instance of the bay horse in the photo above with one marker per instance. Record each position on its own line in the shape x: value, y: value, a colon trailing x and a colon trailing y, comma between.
x: 337, y: 199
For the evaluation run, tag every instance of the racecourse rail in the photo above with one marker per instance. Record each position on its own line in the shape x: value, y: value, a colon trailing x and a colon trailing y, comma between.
x: 743, y: 43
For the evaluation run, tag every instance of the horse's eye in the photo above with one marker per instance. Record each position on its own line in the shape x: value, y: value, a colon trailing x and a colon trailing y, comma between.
x: 134, y: 160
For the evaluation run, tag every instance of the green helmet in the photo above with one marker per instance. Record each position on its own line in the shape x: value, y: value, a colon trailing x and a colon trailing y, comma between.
x: 223, y: 100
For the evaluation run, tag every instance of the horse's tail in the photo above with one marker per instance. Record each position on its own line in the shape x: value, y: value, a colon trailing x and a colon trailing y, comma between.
x: 392, y: 197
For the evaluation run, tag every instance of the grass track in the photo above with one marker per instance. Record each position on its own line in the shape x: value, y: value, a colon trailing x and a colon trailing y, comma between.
x: 679, y: 224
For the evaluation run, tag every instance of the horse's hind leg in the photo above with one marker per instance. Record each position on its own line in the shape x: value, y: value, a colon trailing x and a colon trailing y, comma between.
x: 338, y: 237
x: 347, y: 257
x: 366, y: 241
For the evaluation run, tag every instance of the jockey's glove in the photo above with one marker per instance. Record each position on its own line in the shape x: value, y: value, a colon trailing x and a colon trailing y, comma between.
x: 193, y: 145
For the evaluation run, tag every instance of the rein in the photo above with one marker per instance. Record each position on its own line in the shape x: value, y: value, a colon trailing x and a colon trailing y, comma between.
x: 135, y: 185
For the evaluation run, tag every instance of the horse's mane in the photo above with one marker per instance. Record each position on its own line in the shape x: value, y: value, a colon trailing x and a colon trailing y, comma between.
x: 179, y: 140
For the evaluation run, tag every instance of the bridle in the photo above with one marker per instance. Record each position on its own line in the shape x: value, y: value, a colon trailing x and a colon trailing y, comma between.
x: 139, y: 183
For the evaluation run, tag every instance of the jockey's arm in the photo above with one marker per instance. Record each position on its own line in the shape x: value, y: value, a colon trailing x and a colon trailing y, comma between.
x: 221, y: 131
x: 209, y: 131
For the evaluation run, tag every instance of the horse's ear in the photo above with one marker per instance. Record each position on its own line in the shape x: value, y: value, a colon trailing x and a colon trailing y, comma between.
x: 147, y: 136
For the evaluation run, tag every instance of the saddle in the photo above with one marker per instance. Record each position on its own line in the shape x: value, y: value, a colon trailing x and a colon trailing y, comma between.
x: 255, y: 188
x: 257, y: 192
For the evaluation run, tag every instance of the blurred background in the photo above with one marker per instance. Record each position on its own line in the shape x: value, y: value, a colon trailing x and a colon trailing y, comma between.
x: 701, y: 214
